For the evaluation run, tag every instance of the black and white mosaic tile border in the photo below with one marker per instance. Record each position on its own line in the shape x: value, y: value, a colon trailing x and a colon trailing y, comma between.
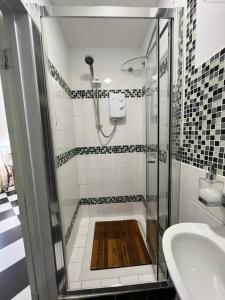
x: 70, y: 228
x: 65, y: 157
x: 89, y: 94
x: 101, y: 200
x: 204, y: 104
x: 109, y: 200
x: 110, y: 149
x: 56, y: 75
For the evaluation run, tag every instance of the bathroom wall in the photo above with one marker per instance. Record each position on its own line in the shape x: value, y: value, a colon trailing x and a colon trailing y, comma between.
x: 62, y: 121
x: 203, y: 119
x: 120, y: 171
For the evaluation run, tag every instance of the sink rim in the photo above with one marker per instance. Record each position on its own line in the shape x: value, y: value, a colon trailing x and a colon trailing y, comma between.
x: 201, y: 229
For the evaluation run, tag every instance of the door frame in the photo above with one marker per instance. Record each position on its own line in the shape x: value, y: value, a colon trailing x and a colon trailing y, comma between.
x: 21, y: 97
x: 101, y: 12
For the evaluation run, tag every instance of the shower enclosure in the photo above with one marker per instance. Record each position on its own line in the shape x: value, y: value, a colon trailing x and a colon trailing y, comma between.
x: 124, y: 174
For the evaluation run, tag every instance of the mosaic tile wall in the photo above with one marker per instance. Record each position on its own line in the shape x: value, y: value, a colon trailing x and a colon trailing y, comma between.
x: 177, y: 92
x: 204, y: 104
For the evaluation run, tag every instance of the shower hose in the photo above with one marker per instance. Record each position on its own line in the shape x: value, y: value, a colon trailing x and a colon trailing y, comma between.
x: 97, y: 116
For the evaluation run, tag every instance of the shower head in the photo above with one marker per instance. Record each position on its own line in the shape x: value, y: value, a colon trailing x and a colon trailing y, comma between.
x: 89, y: 60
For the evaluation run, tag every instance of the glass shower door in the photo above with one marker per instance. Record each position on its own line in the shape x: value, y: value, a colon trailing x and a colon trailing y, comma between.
x: 164, y: 139
x: 151, y: 98
x: 158, y: 141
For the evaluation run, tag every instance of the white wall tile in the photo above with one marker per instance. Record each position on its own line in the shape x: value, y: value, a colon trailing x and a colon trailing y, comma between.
x: 83, y: 190
x: 191, y: 209
x: 94, y: 175
x: 125, y: 174
x: 109, y: 175
x: 125, y: 209
x: 125, y: 188
x: 77, y: 107
x: 94, y: 190
x: 109, y: 189
x: 110, y: 210
x: 94, y: 161
x: 96, y: 210
x: 84, y: 211
x: 109, y: 161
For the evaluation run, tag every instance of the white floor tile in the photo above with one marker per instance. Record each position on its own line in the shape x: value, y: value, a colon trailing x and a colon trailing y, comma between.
x: 129, y: 279
x: 75, y: 285
x: 3, y: 195
x: 91, y: 284
x: 11, y: 254
x: 13, y: 197
x: 77, y: 255
x: 80, y: 241
x: 147, y: 278
x: 5, y: 206
x: 74, y: 271
x: 9, y: 223
x: 16, y: 210
x: 24, y: 295
x: 110, y: 282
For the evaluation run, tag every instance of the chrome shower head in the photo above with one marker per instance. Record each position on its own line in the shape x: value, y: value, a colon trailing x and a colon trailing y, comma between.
x: 89, y: 60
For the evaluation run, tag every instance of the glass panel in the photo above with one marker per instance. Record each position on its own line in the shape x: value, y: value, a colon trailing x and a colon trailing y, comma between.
x: 151, y: 97
x: 164, y: 121
x: 157, y: 138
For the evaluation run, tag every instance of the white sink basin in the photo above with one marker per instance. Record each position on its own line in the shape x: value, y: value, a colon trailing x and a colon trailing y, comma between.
x: 195, y: 257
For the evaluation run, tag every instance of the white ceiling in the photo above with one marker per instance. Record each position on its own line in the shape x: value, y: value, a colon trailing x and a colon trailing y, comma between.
x: 103, y: 33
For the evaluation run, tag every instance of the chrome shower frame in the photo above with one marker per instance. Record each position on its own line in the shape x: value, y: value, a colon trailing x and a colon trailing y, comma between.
x: 57, y: 237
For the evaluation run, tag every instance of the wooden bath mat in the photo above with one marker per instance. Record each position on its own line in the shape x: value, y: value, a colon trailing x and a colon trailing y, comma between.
x: 118, y: 244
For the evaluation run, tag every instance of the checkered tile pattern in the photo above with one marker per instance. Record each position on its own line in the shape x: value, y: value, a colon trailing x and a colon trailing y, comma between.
x: 204, y: 104
x: 13, y: 270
